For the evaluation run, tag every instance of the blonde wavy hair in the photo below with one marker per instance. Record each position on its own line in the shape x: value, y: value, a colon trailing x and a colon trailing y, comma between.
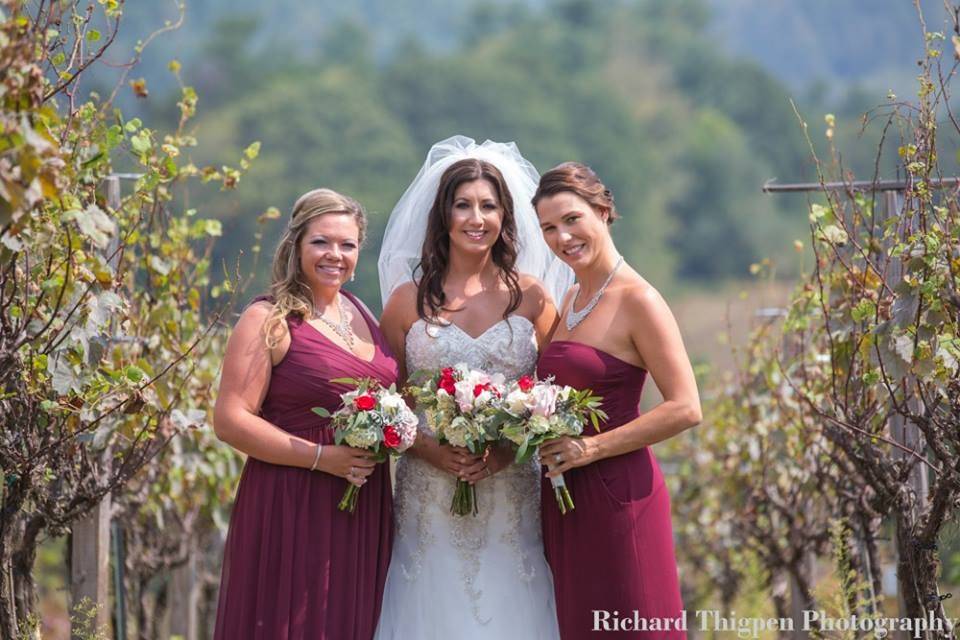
x: 288, y: 288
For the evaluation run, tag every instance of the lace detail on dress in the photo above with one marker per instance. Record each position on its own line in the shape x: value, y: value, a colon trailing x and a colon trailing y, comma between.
x: 523, y: 502
x: 508, y: 347
x: 410, y: 511
x: 423, y: 493
x: 469, y: 539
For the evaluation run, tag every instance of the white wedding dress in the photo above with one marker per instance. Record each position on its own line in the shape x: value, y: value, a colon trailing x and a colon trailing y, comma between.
x: 469, y: 577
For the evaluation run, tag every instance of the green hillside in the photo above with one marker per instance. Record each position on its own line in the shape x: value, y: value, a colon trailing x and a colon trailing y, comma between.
x: 352, y: 97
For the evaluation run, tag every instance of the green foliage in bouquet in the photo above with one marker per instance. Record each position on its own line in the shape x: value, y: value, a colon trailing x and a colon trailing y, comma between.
x: 361, y: 429
x: 579, y: 407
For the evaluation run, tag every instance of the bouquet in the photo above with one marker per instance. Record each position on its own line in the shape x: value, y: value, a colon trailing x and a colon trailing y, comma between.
x: 461, y: 406
x: 374, y: 418
x: 538, y: 411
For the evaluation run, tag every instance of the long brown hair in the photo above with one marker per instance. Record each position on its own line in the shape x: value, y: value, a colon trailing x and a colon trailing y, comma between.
x: 289, y: 290
x: 435, y: 259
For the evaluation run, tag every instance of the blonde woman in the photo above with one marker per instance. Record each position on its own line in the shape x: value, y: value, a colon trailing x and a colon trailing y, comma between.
x: 294, y: 566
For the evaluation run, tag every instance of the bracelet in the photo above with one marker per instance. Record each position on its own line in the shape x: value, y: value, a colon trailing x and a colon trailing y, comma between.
x: 316, y: 458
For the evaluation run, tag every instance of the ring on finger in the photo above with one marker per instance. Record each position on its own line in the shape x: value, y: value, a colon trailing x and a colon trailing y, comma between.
x: 558, y: 458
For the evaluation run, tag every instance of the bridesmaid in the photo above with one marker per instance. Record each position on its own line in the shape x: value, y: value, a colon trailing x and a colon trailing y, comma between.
x: 294, y: 566
x: 612, y: 558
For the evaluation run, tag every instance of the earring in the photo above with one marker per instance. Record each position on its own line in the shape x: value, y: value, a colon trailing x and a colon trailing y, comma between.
x: 353, y: 276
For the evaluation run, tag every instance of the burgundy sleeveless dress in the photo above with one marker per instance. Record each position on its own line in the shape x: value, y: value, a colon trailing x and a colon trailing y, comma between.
x: 612, y: 558
x: 294, y: 567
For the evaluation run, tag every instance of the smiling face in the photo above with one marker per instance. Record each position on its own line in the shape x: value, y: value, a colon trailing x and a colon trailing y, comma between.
x: 329, y: 249
x: 573, y: 230
x: 476, y: 216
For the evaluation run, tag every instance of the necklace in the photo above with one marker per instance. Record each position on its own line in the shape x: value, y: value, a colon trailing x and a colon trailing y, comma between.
x: 341, y: 328
x: 576, y: 317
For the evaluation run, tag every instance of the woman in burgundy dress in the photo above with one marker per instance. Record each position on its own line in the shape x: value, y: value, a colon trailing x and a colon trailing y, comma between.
x: 294, y: 566
x: 612, y: 558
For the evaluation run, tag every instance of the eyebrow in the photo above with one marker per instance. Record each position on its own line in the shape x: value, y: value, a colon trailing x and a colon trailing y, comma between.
x: 322, y: 236
x: 572, y: 212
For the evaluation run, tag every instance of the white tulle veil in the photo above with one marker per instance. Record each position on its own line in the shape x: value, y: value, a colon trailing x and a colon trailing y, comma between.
x: 407, y: 226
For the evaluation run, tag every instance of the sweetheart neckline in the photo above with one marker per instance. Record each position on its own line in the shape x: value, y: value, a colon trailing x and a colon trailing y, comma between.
x: 483, y: 333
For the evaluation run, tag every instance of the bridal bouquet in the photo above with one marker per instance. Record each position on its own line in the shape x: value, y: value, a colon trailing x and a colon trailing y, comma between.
x: 374, y: 418
x: 538, y: 411
x: 462, y: 408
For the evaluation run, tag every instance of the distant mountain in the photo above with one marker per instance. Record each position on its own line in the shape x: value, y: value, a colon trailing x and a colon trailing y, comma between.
x: 836, y: 43
x: 299, y: 25
x: 872, y: 43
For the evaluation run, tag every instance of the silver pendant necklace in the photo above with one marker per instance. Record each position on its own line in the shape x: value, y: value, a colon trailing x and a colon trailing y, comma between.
x: 341, y: 328
x: 576, y: 317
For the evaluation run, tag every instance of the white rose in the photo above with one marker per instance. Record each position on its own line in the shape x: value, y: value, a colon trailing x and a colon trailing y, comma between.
x: 392, y: 401
x: 516, y: 402
x: 473, y: 378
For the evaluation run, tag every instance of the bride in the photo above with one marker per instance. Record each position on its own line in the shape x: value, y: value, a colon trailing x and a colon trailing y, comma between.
x: 455, y: 274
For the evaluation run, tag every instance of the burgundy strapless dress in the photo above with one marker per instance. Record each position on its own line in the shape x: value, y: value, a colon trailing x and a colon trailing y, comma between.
x: 612, y: 558
x: 294, y: 567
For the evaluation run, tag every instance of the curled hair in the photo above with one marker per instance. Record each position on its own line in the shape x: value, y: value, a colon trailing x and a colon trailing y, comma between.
x: 579, y: 179
x: 289, y: 290
x: 435, y: 258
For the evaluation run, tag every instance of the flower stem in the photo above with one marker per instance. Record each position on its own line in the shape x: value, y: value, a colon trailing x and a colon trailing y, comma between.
x: 464, y: 499
x: 349, y: 500
x: 564, y: 499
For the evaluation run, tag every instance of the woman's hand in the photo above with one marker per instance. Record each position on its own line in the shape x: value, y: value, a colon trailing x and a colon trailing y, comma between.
x: 567, y: 453
x: 453, y: 460
x: 495, y: 459
x: 355, y: 465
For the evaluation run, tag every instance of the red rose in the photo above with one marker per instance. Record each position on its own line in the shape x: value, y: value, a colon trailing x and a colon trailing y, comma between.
x: 364, y: 402
x: 390, y: 436
x: 486, y: 386
x: 447, y: 384
x: 525, y: 383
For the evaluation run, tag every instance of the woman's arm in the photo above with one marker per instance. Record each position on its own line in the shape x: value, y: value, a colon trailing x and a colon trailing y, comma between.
x: 538, y: 307
x: 657, y: 339
x: 399, y: 314
x: 243, y: 386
